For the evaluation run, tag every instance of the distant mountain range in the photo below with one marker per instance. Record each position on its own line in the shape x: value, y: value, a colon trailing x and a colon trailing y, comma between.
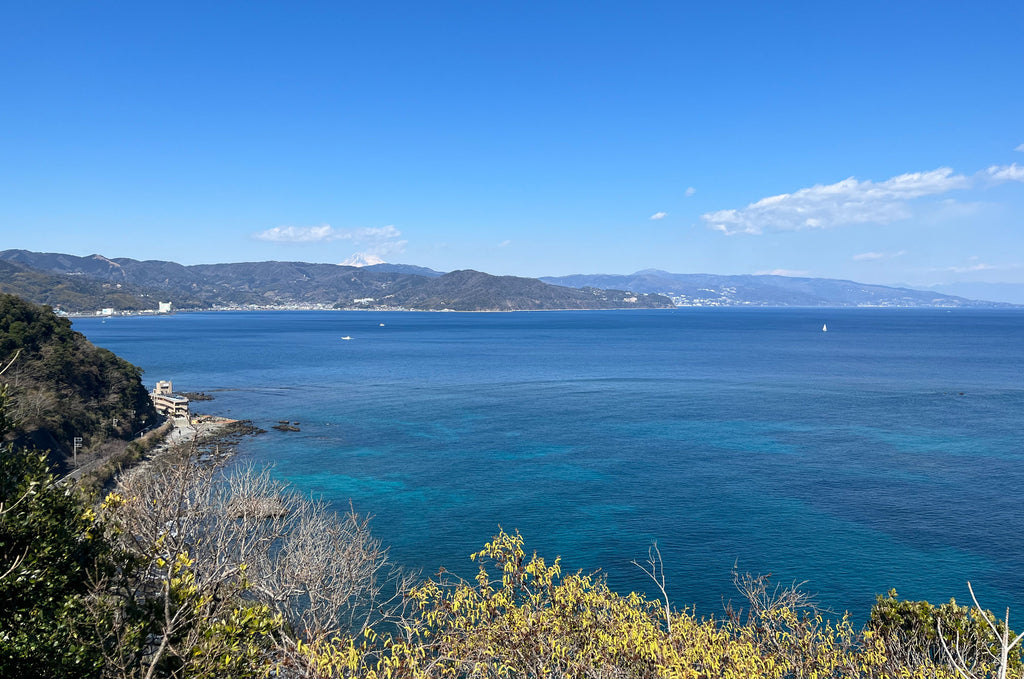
x: 751, y: 290
x: 85, y: 284
x: 1012, y: 293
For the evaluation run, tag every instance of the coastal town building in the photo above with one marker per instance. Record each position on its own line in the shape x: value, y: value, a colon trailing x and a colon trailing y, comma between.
x: 164, y: 307
x: 167, y: 402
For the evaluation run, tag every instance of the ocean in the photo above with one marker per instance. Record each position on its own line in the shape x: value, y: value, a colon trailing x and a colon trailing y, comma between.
x: 884, y: 453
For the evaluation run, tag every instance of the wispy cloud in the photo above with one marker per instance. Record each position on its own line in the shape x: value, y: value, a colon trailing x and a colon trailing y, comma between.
x: 849, y: 201
x: 297, y: 234
x: 872, y: 256
x: 1020, y: 148
x: 377, y: 236
x: 973, y: 264
x: 689, y: 191
x: 378, y: 240
x: 659, y: 215
x: 782, y: 272
x: 1006, y: 173
x: 504, y: 243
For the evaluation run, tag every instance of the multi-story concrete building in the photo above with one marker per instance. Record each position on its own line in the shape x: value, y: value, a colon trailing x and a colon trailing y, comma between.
x: 167, y: 402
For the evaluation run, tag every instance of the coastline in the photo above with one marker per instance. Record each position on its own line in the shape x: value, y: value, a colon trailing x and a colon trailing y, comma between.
x: 209, y: 438
x: 131, y: 314
x: 681, y: 307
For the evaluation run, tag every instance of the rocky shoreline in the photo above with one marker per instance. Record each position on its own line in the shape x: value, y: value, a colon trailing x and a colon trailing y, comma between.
x: 207, y: 438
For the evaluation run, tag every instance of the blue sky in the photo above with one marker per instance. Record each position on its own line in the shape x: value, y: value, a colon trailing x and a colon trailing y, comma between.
x: 881, y: 142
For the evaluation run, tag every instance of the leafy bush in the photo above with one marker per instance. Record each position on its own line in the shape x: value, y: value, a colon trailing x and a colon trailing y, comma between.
x: 917, y: 632
x: 49, y: 550
x: 523, y: 618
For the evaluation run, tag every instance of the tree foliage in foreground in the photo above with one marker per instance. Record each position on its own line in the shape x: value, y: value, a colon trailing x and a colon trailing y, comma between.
x: 188, y: 571
x: 49, y: 550
x: 228, y: 571
x: 524, y: 618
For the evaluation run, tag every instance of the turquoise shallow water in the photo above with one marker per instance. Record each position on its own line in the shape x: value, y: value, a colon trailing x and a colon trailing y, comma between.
x: 884, y: 453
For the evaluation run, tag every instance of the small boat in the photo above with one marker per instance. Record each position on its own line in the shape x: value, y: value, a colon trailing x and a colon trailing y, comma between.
x: 346, y: 337
x: 382, y: 325
x: 824, y: 327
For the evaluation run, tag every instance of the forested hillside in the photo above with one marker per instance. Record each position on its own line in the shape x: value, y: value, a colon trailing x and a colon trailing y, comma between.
x: 76, y: 294
x: 294, y: 283
x: 61, y: 386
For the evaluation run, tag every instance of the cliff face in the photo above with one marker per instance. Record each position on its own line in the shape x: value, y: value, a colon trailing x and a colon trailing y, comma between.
x: 62, y: 386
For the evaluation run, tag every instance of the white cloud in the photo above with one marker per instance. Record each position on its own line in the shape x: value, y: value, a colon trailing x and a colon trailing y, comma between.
x: 1002, y: 173
x: 973, y: 264
x: 689, y: 191
x: 371, y: 233
x: 297, y: 234
x: 871, y: 256
x: 659, y: 215
x: 378, y: 240
x: 849, y: 201
x: 504, y: 243
x: 1020, y: 148
x: 782, y: 272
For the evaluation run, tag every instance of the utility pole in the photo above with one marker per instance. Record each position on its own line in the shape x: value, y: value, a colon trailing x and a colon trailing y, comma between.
x: 78, y: 444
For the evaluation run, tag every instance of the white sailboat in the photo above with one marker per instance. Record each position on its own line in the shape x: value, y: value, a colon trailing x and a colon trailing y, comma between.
x: 824, y: 327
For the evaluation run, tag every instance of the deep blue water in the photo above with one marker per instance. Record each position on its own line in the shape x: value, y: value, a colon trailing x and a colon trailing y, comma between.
x: 884, y: 453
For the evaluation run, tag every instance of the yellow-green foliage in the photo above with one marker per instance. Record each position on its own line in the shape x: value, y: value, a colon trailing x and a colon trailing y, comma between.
x: 912, y: 629
x: 240, y: 644
x: 523, y: 618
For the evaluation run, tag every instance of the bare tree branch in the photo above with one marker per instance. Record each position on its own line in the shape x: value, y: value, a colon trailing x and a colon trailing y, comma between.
x: 210, y: 539
x: 655, y: 570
